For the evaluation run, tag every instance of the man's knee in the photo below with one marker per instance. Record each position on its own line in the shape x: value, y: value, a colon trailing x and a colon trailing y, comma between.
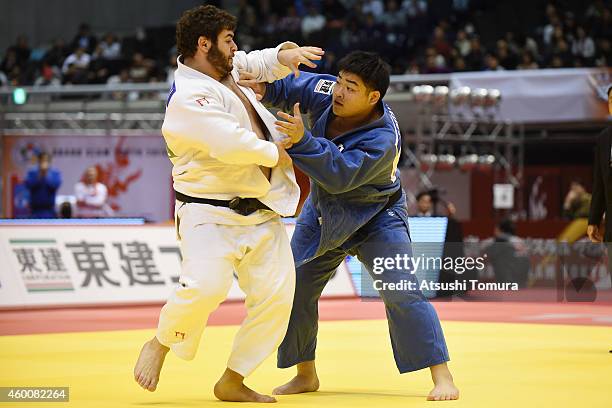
x: 210, y: 288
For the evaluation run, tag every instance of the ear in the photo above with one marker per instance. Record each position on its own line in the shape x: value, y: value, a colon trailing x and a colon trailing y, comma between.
x: 204, y: 44
x: 374, y: 97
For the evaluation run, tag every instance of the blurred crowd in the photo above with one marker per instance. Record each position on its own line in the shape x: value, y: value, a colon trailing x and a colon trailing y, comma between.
x: 415, y: 36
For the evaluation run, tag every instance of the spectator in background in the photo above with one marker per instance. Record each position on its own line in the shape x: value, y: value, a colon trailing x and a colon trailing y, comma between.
x: 374, y: 7
x: 291, y: 24
x: 475, y: 58
x: 42, y: 182
x: 75, y: 66
x: 576, y: 208
x: 424, y: 205
x: 394, y: 18
x: 577, y: 201
x: 22, y: 52
x: 122, y: 78
x: 439, y: 42
x: 527, y: 61
x: 55, y: 56
x: 508, y: 255
x: 492, y: 63
x: 506, y: 59
x: 91, y: 196
x: 140, y: 68
x: 109, y: 48
x: 49, y: 76
x: 313, y: 22
x: 603, y: 57
x: 583, y: 45
x: 11, y: 68
x: 462, y: 44
x: 84, y: 39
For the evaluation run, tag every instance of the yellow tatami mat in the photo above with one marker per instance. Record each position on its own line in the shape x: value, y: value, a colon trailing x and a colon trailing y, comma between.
x: 494, y: 364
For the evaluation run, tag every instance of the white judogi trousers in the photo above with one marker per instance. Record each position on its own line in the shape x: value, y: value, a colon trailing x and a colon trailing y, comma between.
x: 261, y: 257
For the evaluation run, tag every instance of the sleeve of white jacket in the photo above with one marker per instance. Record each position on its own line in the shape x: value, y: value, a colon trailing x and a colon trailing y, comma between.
x: 206, y: 124
x: 264, y: 63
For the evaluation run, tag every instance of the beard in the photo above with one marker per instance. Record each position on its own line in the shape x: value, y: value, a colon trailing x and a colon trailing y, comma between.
x: 220, y: 61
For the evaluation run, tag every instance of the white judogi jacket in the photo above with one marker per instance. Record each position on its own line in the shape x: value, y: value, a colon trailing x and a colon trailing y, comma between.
x: 213, y: 149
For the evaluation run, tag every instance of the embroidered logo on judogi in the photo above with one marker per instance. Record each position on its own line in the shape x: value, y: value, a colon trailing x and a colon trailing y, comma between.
x: 325, y: 86
x: 202, y: 101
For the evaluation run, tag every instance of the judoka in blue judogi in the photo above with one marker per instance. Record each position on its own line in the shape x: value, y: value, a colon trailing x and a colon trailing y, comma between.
x: 356, y: 207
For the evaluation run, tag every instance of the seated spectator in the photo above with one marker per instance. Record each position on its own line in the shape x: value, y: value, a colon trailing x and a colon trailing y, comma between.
x: 290, y: 24
x: 603, y: 58
x: 475, y: 58
x: 84, y: 39
x: 122, y: 78
x: 140, y: 68
x: 49, y: 76
x: 75, y: 66
x: 91, y: 196
x: 313, y: 22
x: 492, y: 63
x: 439, y: 42
x: 22, y: 52
x: 56, y: 54
x: 394, y: 18
x: 462, y: 44
x: 459, y: 65
x: 374, y: 7
x: 583, y: 45
x: 109, y: 48
x: 42, y: 182
x: 506, y: 59
x: 527, y: 61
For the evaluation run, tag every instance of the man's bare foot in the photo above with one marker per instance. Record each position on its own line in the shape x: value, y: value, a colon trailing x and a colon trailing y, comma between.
x: 444, y: 389
x: 306, y: 380
x: 297, y: 385
x: 149, y: 364
x: 230, y: 387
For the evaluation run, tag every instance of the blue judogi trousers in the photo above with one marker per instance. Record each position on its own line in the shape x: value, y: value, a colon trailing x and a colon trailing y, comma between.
x: 416, y: 335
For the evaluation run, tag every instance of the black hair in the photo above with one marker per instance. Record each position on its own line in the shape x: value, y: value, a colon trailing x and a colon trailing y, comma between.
x: 42, y: 154
x: 370, y: 67
x: 206, y: 21
x: 506, y: 226
x: 423, y: 194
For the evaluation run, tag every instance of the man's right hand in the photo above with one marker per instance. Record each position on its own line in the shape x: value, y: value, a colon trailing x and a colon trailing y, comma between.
x: 248, y: 80
x: 594, y: 233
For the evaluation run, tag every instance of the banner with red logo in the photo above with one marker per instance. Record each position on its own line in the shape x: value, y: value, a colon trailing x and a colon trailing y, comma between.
x: 135, y: 170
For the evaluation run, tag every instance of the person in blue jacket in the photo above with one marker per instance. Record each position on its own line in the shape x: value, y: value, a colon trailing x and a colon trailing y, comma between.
x: 356, y: 207
x: 42, y: 182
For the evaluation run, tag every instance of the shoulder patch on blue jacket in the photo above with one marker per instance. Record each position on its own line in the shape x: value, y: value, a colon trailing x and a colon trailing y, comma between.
x: 325, y: 86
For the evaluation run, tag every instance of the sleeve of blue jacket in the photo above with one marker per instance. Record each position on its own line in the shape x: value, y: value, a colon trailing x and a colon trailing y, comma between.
x: 284, y: 93
x: 338, y: 172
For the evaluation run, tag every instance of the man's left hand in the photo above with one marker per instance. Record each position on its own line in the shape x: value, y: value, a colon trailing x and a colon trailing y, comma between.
x: 293, y: 126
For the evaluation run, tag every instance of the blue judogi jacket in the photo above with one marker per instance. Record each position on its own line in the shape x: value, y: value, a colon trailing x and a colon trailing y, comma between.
x: 352, y: 176
x: 42, y: 191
